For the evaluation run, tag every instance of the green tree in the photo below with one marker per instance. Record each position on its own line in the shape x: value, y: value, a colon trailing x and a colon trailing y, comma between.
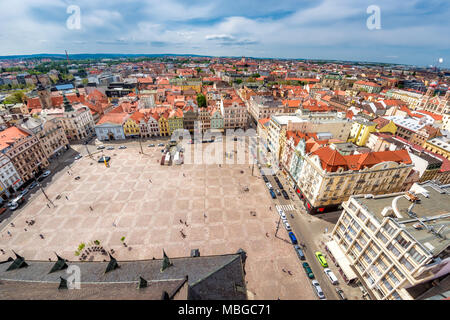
x: 201, y: 101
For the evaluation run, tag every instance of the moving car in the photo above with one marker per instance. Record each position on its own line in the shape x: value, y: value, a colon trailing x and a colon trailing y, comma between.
x: 78, y: 156
x: 283, y: 216
x: 32, y: 185
x: 292, y: 237
x: 46, y: 173
x: 101, y: 160
x: 308, y: 270
x: 151, y: 145
x: 122, y: 147
x: 299, y: 252
x: 100, y: 147
x: 321, y: 259
x: 341, y: 293
x: 318, y: 289
x: 110, y: 148
x: 331, y: 276
x: 160, y: 144
x: 285, y: 195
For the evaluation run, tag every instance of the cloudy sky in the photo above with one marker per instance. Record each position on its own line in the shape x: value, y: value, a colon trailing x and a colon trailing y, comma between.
x: 412, y: 31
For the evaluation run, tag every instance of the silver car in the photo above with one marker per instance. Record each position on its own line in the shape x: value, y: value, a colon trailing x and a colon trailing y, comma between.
x: 318, y: 289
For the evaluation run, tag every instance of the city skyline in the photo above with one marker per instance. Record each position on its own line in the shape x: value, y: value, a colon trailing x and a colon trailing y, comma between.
x: 293, y: 29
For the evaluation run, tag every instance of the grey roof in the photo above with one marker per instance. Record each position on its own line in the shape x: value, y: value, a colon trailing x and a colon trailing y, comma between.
x: 433, y: 211
x: 210, y: 277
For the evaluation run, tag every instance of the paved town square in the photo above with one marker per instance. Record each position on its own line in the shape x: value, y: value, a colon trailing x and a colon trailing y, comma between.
x: 152, y: 206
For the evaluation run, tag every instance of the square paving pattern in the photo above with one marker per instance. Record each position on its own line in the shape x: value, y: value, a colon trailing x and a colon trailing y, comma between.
x: 141, y: 200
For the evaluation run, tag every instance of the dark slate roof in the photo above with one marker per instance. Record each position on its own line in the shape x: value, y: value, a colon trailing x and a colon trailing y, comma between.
x: 210, y: 277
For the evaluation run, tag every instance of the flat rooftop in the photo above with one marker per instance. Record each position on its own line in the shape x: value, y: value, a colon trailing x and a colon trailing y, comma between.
x: 433, y: 211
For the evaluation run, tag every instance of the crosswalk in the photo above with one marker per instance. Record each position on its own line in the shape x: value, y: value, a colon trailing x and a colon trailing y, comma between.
x: 286, y: 207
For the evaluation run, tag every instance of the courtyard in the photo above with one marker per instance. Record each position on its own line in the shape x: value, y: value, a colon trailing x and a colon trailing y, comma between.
x: 217, y: 209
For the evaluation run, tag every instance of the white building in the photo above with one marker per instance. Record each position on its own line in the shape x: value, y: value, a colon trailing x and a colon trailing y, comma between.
x: 10, y: 180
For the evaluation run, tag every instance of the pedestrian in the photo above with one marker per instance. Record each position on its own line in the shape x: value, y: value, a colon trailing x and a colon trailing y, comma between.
x: 25, y: 229
x: 9, y: 233
x: 48, y: 205
x: 283, y: 270
x: 185, y: 223
x: 181, y: 221
x: 67, y: 198
x: 12, y: 224
x: 91, y: 208
x: 289, y: 272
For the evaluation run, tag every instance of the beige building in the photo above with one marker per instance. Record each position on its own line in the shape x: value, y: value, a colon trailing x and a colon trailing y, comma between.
x: 261, y: 107
x: 50, y: 134
x: 397, y: 243
x: 24, y: 151
x: 328, y: 178
x: 439, y: 145
x: 411, y: 98
x: 76, y: 120
x: 234, y: 113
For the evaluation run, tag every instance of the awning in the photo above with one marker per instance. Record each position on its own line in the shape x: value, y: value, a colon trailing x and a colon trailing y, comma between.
x: 341, y: 260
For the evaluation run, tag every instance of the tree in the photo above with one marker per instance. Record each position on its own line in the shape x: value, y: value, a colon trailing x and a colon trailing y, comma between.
x: 85, y: 82
x: 16, y: 97
x: 201, y: 101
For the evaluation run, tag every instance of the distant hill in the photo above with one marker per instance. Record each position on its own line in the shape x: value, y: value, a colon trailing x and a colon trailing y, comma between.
x: 82, y: 56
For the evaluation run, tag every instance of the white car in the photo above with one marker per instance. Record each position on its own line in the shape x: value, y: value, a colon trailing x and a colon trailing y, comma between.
x: 122, y: 147
x: 287, y: 226
x: 283, y: 216
x: 318, y: 290
x: 269, y: 186
x: 280, y: 211
x: 331, y: 276
x: 46, y: 173
x: 78, y: 156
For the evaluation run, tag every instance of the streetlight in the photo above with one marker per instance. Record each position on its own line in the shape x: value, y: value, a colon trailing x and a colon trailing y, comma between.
x: 42, y: 189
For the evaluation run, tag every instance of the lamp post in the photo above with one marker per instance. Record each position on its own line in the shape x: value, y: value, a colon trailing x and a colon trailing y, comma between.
x: 42, y: 189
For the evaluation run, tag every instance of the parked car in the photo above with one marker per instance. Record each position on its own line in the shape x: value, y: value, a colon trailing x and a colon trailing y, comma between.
x: 122, y: 147
x: 280, y: 211
x: 321, y: 259
x: 292, y: 237
x: 32, y: 185
x: 110, y: 148
x: 287, y: 226
x: 272, y: 194
x: 308, y: 270
x: 299, y: 252
x: 283, y: 216
x: 78, y: 156
x: 285, y: 195
x: 269, y: 186
x: 100, y: 147
x: 160, y: 144
x: 265, y: 179
x: 318, y: 289
x: 341, y: 293
x: 14, y: 206
x: 46, y: 173
x: 278, y: 192
x: 151, y: 145
x: 331, y: 276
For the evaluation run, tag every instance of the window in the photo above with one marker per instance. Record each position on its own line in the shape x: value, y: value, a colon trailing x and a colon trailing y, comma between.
x: 406, y: 263
x: 361, y: 216
x: 356, y: 225
x: 357, y: 246
x: 416, y: 256
x: 353, y: 232
x: 389, y: 229
x: 402, y: 241
x: 393, y: 278
x: 371, y: 226
x: 367, y: 258
x: 396, y: 296
x: 387, y: 284
x: 393, y: 249
x: 381, y: 237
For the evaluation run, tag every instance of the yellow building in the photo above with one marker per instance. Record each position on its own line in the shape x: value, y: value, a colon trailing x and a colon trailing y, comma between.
x: 439, y: 145
x: 163, y: 124
x: 361, y: 130
x: 175, y: 120
x: 131, y: 126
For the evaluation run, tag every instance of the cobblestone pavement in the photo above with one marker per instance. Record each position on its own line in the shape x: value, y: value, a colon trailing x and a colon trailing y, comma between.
x: 141, y: 200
